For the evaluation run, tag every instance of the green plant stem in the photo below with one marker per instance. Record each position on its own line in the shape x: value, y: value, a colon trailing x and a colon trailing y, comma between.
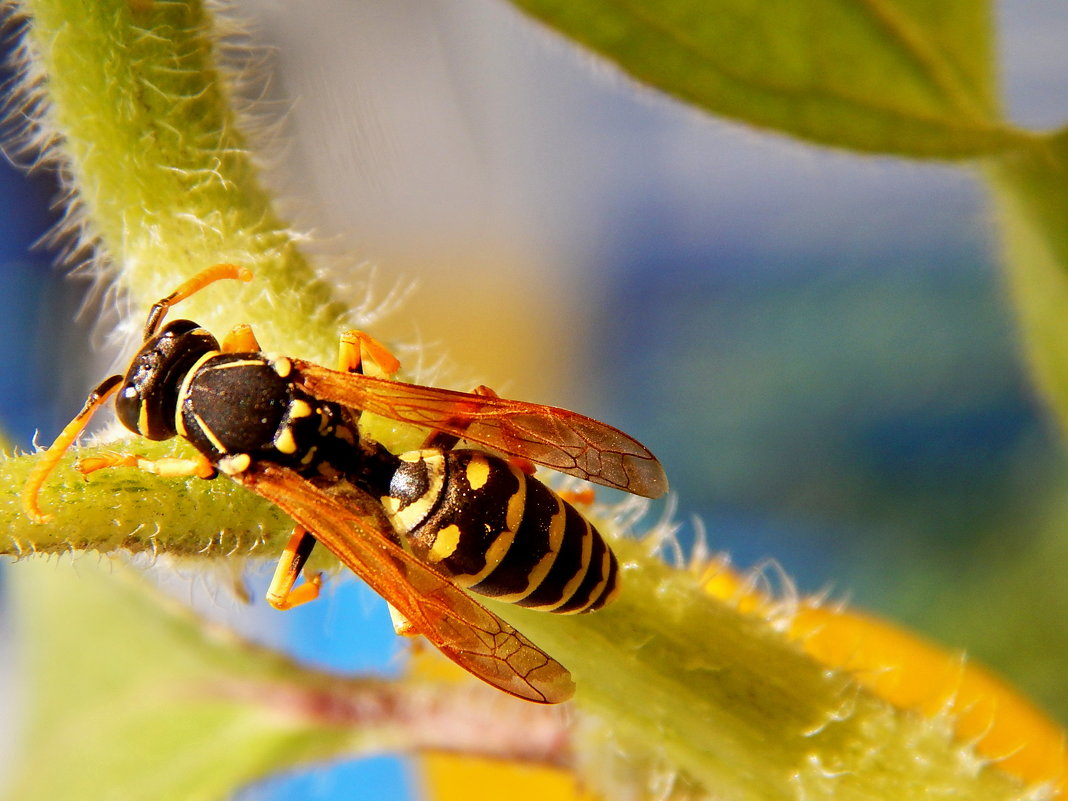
x: 165, y: 181
x: 722, y: 700
x: 128, y: 510
x: 726, y: 702
x: 137, y: 697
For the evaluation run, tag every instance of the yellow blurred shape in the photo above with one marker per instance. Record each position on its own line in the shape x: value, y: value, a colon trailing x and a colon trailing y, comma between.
x: 452, y: 778
x: 448, y: 777
x: 912, y: 673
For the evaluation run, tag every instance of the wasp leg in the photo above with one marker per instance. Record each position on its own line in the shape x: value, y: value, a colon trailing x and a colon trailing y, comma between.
x: 523, y: 465
x: 281, y: 594
x: 240, y: 340
x: 237, y: 581
x: 580, y: 497
x: 444, y: 441
x: 401, y: 624
x: 195, y: 284
x: 167, y: 467
x: 357, y: 347
x: 48, y: 461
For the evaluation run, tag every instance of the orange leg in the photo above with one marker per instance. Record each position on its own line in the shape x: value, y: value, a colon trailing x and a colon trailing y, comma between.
x: 48, y: 461
x: 357, y: 347
x: 582, y: 497
x: 523, y: 465
x: 401, y: 624
x: 441, y: 440
x: 167, y: 467
x: 207, y: 276
x: 281, y: 594
x: 241, y: 340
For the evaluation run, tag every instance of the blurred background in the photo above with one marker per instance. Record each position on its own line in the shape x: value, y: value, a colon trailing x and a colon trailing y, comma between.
x: 817, y: 346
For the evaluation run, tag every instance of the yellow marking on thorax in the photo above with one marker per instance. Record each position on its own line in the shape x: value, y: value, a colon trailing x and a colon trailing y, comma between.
x: 285, y: 442
x: 445, y: 543
x: 299, y: 408
x: 214, y: 440
x: 233, y: 465
x: 281, y: 365
x: 237, y: 363
x: 326, y: 422
x: 183, y: 390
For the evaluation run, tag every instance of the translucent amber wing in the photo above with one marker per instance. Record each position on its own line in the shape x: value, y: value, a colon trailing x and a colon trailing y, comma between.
x: 556, y: 438
x: 350, y: 524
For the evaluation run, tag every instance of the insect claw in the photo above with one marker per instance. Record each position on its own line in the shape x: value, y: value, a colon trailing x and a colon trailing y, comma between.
x: 105, y: 460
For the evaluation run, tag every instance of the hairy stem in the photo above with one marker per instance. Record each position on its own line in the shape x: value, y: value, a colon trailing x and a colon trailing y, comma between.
x: 137, y: 112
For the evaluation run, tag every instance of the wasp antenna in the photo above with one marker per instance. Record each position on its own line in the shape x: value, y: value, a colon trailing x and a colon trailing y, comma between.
x: 48, y: 461
x: 207, y: 276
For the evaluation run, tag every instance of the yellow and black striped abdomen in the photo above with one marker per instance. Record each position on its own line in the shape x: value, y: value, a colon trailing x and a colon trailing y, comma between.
x: 499, y: 532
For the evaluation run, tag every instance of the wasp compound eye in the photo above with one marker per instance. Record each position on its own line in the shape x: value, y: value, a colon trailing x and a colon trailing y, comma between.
x: 148, y: 399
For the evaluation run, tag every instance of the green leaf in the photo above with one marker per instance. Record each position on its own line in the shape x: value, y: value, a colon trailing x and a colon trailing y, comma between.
x: 683, y: 683
x: 1030, y: 189
x: 133, y: 697
x: 135, y: 700
x: 909, y: 77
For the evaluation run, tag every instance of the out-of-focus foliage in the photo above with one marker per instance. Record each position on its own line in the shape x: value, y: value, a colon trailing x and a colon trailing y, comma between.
x: 896, y: 76
x: 133, y: 696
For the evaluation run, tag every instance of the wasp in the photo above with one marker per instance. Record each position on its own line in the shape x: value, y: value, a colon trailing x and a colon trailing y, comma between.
x: 418, y: 527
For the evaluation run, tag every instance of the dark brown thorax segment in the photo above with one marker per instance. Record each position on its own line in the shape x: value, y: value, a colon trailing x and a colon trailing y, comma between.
x: 234, y: 403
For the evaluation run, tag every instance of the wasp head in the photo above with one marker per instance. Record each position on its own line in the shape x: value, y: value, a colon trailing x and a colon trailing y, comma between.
x: 148, y: 399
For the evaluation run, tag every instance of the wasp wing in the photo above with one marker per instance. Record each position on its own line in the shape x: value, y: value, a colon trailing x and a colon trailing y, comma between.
x: 556, y: 438
x: 349, y: 523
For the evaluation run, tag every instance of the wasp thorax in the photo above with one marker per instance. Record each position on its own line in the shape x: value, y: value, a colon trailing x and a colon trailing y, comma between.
x: 147, y: 401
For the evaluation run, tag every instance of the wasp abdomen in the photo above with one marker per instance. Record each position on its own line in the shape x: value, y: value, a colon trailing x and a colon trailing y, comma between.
x: 499, y: 532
